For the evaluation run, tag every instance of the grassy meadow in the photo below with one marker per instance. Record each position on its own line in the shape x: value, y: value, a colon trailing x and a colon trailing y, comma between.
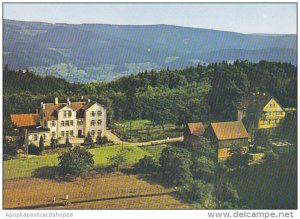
x: 19, y: 168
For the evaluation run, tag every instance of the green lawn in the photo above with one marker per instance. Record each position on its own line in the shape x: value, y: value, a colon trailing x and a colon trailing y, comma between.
x: 18, y: 168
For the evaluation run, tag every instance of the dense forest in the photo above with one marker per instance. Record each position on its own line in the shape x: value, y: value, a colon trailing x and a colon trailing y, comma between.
x: 201, y: 93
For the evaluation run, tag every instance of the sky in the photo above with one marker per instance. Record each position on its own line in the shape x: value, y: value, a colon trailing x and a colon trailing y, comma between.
x: 269, y: 18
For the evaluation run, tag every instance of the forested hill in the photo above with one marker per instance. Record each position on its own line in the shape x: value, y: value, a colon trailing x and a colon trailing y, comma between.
x: 192, y: 94
x: 103, y: 52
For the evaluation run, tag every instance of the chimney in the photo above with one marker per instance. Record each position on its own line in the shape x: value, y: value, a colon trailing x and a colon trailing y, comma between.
x: 89, y: 100
x: 56, y: 100
x: 264, y: 94
x: 44, y: 106
x: 68, y: 100
x: 257, y: 92
x: 81, y: 97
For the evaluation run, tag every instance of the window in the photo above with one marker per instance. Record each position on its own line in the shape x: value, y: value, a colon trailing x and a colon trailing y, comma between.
x: 99, y: 132
x: 35, y: 137
x: 62, y: 133
x: 99, y: 122
x: 62, y: 123
x: 67, y: 122
x: 72, y: 133
x: 99, y: 113
x: 53, y: 123
x: 70, y: 113
x: 67, y: 133
x: 93, y: 132
x: 71, y: 122
x: 53, y: 134
x: 92, y: 122
x: 93, y: 113
x: 44, y: 135
x: 65, y: 114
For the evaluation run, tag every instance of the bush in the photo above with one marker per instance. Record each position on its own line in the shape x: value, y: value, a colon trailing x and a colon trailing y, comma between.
x: 203, y: 167
x: 175, y: 165
x: 33, y: 149
x: 9, y: 148
x: 88, y: 141
x: 262, y: 138
x: 146, y: 165
x: 68, y: 144
x: 220, y: 195
x: 75, y: 161
x: 199, y: 192
x: 102, y: 140
x: 53, y: 143
x: 270, y: 156
x: 226, y: 195
x: 238, y: 158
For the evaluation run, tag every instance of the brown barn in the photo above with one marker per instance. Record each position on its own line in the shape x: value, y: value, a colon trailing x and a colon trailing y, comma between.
x: 225, y: 134
x: 192, y: 134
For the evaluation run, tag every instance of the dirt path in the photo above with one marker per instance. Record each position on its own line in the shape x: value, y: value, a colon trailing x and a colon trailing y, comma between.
x: 113, y: 191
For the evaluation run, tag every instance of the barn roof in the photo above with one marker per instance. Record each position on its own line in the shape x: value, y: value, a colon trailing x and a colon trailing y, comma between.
x: 196, y: 128
x: 24, y: 120
x: 229, y: 130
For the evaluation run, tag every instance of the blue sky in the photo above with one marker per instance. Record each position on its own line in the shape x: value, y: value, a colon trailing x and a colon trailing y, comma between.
x: 242, y: 18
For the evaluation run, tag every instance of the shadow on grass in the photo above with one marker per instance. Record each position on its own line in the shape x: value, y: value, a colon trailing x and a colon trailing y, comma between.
x: 47, y: 172
x: 91, y: 200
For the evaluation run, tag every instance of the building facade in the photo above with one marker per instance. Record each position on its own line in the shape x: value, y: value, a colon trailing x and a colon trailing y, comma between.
x: 262, y: 111
x: 72, y: 120
x: 224, y: 135
x: 192, y: 135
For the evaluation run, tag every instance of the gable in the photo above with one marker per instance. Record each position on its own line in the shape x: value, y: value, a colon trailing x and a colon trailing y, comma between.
x: 94, y: 106
x: 272, y: 105
x: 196, y: 129
x: 66, y: 107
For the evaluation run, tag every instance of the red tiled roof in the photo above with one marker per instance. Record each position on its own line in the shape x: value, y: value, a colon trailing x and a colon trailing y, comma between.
x: 23, y: 120
x: 50, y: 109
x: 229, y: 130
x: 196, y: 128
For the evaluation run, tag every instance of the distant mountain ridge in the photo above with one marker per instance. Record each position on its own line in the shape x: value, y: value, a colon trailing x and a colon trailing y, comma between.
x: 103, y: 52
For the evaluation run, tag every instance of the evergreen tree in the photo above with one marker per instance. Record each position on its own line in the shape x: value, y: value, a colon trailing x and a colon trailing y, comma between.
x: 68, y: 144
x: 41, y: 144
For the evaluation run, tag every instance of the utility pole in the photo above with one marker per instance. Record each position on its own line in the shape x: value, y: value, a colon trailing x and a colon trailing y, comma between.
x: 26, y: 143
